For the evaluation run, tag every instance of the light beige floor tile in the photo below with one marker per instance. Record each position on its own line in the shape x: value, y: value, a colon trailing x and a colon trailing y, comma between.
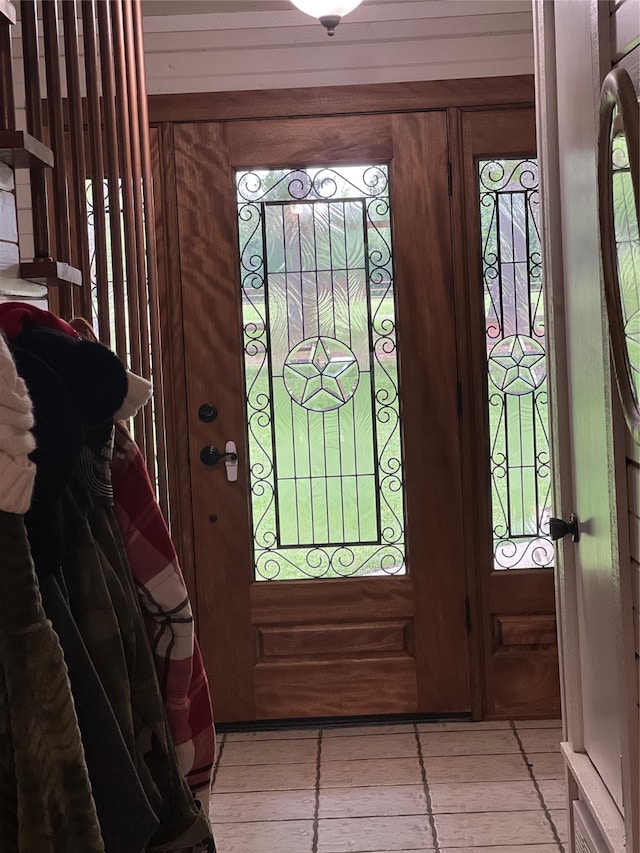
x: 287, y: 836
x: 374, y: 771
x: 476, y: 768
x: 484, y: 797
x: 463, y: 725
x: 369, y: 833
x: 262, y: 806
x: 546, y: 765
x: 483, y: 742
x: 541, y: 740
x: 265, y: 777
x: 269, y: 752
x: 369, y: 746
x: 374, y: 729
x: 467, y: 830
x: 538, y: 724
x: 377, y: 801
x: 275, y: 734
x: 554, y: 793
x: 559, y: 817
x: 510, y: 848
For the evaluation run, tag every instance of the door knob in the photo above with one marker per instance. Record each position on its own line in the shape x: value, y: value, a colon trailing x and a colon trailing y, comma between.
x: 210, y: 455
x: 559, y: 528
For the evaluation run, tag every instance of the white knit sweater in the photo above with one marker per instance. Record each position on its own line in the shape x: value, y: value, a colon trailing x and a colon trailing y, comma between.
x: 17, y: 472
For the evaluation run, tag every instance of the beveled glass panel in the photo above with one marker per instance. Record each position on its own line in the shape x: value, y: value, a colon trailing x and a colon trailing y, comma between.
x: 618, y: 211
x: 627, y: 247
x: 321, y: 372
x: 516, y: 363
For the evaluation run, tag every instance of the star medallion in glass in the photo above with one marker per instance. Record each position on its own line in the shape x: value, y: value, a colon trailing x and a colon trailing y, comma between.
x: 516, y: 363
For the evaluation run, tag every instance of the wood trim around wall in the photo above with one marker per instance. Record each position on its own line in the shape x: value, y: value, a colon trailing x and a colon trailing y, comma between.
x: 475, y: 92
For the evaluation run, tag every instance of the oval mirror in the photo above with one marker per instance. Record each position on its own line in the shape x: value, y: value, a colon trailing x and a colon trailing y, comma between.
x: 618, y: 188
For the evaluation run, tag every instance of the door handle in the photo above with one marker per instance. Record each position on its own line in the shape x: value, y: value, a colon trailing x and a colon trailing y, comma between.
x: 231, y: 461
x: 559, y: 528
x: 210, y: 456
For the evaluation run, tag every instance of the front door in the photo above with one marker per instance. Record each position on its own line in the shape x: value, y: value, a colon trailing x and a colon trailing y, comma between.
x: 315, y: 259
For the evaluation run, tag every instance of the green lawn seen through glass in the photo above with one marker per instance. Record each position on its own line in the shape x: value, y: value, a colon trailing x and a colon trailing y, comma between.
x: 315, y: 509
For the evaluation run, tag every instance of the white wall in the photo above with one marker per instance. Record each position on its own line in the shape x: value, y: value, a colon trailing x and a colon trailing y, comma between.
x: 383, y: 41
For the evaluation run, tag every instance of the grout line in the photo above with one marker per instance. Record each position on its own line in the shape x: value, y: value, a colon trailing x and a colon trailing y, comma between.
x: 216, y: 763
x: 316, y: 809
x: 545, y: 809
x: 427, y: 792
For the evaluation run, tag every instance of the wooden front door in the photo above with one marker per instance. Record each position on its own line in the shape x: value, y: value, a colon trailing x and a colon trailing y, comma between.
x: 318, y: 317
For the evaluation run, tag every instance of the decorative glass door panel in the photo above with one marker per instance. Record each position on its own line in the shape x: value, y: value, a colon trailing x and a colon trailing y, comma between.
x: 516, y: 362
x: 321, y: 372
x: 627, y: 248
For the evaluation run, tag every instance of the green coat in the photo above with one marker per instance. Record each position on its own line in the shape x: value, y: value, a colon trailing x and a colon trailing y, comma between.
x: 46, y: 804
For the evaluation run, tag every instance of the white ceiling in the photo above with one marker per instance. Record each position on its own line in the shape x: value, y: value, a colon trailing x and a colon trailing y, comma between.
x: 207, y: 7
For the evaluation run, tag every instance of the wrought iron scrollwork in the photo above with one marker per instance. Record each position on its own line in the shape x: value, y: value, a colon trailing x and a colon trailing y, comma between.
x: 516, y: 363
x: 320, y: 366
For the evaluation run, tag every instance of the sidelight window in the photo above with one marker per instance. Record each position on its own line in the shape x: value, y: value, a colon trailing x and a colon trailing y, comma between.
x: 516, y: 363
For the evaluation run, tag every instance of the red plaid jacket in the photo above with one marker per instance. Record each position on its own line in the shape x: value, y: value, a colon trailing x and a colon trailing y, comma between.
x: 167, y: 614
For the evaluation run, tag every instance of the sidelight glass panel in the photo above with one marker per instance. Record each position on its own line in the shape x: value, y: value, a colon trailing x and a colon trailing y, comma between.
x: 516, y: 363
x: 321, y: 372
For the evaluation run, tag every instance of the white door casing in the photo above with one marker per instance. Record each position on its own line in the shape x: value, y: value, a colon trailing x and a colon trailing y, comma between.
x: 593, y: 578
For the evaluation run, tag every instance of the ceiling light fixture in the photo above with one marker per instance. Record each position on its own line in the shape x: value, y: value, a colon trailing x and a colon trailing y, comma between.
x: 328, y: 12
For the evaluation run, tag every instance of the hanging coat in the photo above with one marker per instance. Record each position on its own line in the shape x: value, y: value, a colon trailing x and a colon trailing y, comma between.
x: 46, y: 804
x: 167, y: 613
x: 97, y: 561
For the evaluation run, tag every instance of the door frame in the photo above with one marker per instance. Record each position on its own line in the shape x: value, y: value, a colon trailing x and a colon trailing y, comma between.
x: 456, y: 97
x: 560, y: 33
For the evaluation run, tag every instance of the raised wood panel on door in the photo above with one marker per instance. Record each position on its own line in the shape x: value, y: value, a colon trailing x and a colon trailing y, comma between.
x: 521, y: 676
x: 334, y: 647
x: 351, y: 646
x: 344, y: 650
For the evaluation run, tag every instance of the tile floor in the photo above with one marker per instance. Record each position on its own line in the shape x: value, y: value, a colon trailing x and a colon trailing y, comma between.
x: 448, y: 787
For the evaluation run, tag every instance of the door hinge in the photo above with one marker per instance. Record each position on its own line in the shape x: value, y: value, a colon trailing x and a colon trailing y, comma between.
x: 450, y: 179
x: 467, y: 613
x: 459, y: 399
